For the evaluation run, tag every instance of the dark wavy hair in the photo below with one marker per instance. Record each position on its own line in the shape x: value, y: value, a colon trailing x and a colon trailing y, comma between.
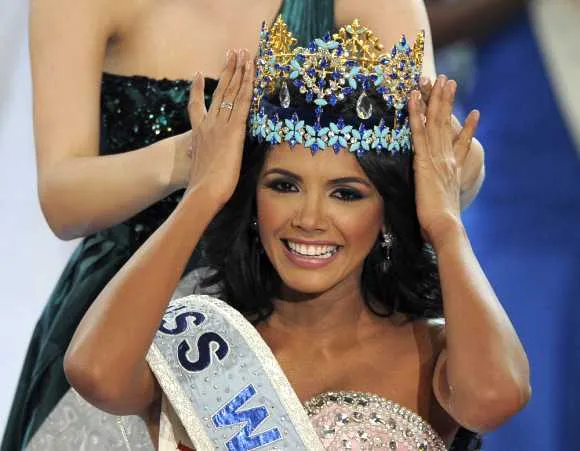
x: 248, y: 281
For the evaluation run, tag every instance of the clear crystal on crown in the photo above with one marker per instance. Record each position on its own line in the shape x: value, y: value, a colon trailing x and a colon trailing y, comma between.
x: 284, y: 96
x: 364, y: 107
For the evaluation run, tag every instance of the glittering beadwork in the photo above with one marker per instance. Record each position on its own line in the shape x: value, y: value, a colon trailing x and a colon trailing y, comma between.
x: 326, y: 73
x: 363, y: 421
x: 137, y: 111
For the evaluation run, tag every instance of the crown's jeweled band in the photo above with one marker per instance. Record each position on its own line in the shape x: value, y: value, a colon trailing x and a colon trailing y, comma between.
x: 337, y: 135
x: 325, y: 74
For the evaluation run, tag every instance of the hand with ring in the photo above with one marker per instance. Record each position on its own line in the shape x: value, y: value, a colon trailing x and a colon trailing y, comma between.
x: 218, y: 134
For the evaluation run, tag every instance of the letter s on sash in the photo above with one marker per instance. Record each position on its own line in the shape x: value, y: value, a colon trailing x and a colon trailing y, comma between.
x: 181, y: 323
x: 204, y: 351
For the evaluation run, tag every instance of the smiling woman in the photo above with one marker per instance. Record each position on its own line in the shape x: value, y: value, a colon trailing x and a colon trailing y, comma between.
x: 291, y: 207
x: 320, y: 226
x: 322, y: 214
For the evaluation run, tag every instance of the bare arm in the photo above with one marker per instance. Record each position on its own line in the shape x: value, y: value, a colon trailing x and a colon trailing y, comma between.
x: 453, y: 21
x: 482, y: 376
x: 389, y: 19
x: 105, y: 361
x: 80, y: 191
x: 119, y: 327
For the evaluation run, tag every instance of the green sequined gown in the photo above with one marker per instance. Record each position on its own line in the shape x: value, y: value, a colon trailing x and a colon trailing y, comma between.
x: 135, y: 112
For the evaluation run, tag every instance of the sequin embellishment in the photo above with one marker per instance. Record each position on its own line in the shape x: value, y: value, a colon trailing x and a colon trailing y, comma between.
x: 363, y: 421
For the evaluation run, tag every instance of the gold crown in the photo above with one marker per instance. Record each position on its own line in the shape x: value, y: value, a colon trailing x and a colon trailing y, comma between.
x: 325, y: 73
x: 332, y: 67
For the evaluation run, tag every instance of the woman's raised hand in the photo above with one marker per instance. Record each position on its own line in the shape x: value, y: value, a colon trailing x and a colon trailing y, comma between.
x: 472, y: 170
x: 218, y: 135
x: 438, y: 159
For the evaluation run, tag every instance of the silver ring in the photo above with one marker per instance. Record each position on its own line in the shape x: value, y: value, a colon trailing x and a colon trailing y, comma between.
x: 228, y: 105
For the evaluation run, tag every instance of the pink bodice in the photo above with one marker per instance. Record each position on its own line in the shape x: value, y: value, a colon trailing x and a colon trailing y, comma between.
x: 362, y: 421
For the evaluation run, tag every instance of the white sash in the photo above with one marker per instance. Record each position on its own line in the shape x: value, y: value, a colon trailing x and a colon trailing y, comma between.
x: 223, y: 381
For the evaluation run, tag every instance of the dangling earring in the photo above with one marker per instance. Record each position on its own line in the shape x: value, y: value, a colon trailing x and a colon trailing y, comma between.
x: 386, y: 245
x: 257, y: 244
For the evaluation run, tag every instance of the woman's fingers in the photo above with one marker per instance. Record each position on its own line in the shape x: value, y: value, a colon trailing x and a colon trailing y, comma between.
x: 418, y: 130
x: 196, y: 105
x: 439, y: 113
x: 224, y: 81
x: 425, y: 86
x: 244, y: 97
x: 448, y: 101
x: 229, y: 97
x: 463, y: 141
x: 434, y: 105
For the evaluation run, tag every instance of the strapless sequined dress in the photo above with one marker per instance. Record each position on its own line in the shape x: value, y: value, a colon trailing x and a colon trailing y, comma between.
x: 363, y: 421
x: 345, y: 420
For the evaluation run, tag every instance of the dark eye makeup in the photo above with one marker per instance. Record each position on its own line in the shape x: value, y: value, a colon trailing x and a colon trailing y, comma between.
x: 347, y: 194
x: 282, y: 185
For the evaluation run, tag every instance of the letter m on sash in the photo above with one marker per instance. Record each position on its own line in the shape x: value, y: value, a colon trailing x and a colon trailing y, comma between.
x: 230, y: 415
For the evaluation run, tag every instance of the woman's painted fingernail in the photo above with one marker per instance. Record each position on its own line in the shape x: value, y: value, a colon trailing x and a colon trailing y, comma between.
x: 424, y: 81
x: 228, y: 55
x: 453, y: 88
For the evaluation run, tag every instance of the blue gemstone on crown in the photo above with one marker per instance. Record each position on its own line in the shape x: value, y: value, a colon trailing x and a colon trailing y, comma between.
x: 327, y: 72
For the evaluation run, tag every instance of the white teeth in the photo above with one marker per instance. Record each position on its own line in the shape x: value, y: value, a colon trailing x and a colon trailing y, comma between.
x: 312, y: 251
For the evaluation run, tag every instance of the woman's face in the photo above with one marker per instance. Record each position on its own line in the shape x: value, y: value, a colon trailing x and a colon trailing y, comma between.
x: 319, y: 216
